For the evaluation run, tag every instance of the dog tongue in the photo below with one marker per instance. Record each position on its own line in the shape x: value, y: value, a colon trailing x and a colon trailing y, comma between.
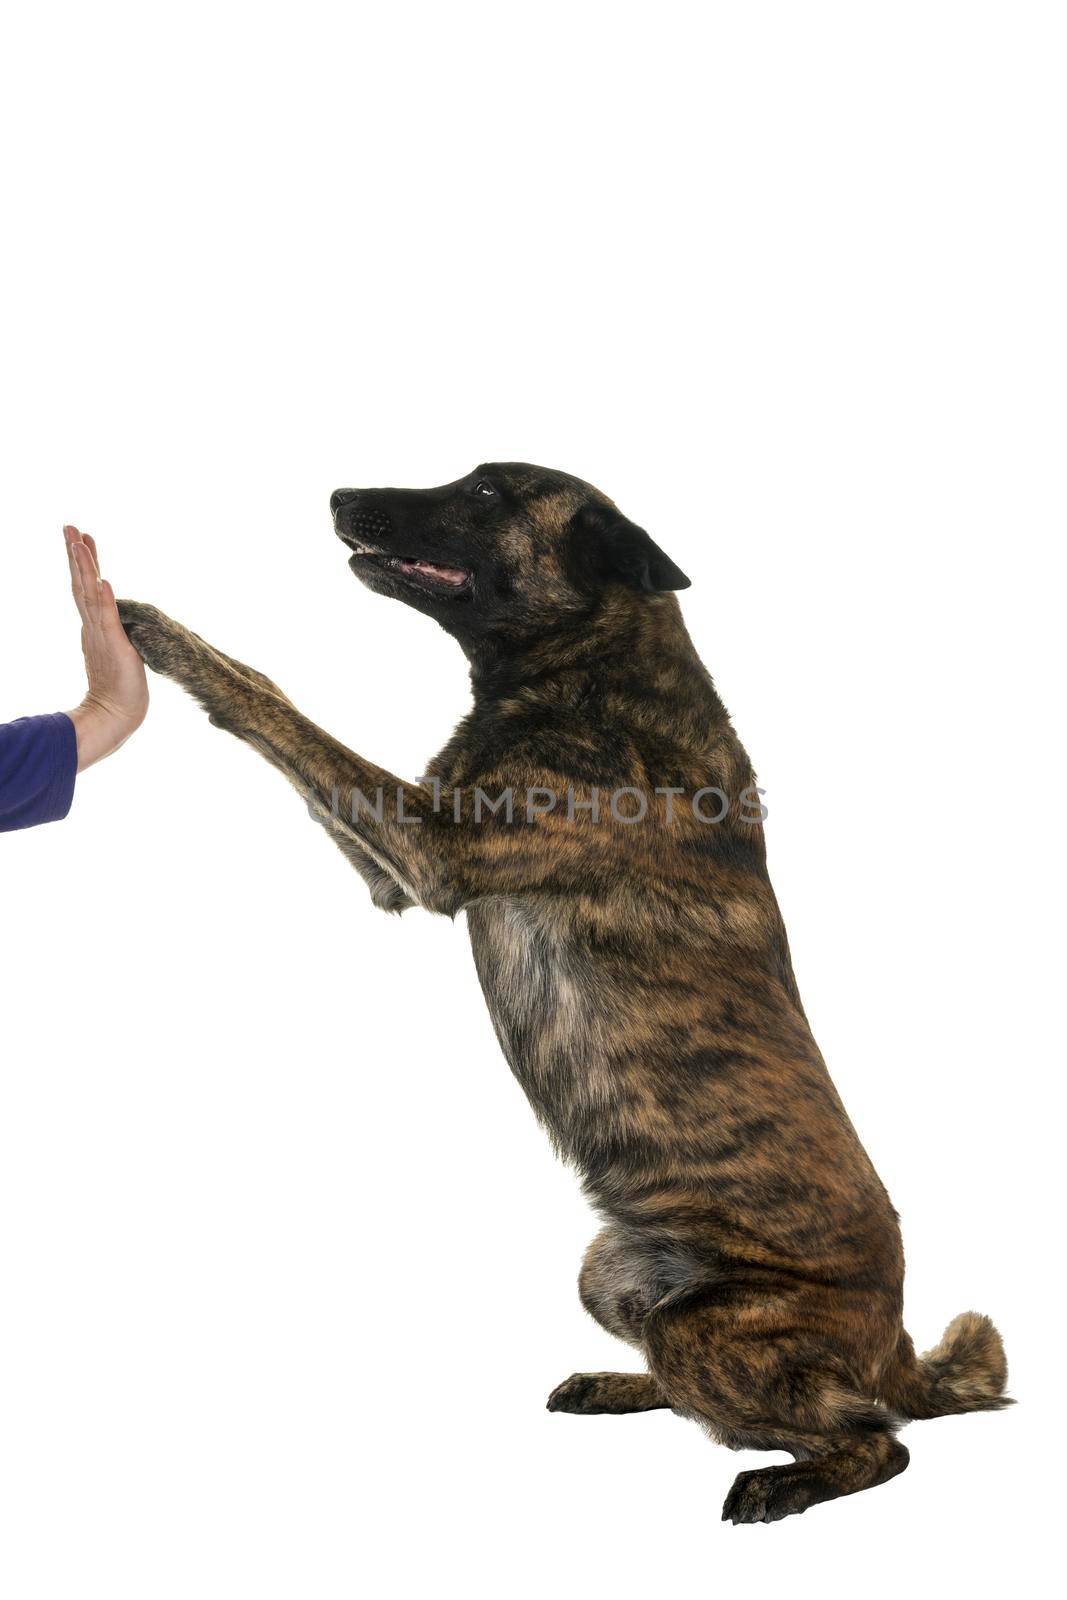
x: 453, y: 575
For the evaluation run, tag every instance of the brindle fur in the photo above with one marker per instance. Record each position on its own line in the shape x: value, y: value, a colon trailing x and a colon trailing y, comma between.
x: 638, y: 977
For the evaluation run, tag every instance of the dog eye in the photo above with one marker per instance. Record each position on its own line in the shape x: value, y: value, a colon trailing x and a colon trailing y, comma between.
x: 482, y: 487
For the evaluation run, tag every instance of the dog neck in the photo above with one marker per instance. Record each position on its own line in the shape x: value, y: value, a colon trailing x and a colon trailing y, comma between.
x: 631, y: 642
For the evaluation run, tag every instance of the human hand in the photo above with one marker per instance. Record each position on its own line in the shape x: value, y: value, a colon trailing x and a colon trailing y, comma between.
x: 117, y: 697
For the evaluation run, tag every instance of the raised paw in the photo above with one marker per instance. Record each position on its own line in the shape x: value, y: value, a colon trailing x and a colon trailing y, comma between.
x: 161, y: 642
x: 172, y: 650
x: 591, y: 1394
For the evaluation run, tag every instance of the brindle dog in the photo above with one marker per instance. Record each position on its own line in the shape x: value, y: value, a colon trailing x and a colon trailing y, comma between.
x: 637, y: 972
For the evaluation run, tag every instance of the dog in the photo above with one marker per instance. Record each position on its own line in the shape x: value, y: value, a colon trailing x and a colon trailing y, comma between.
x: 597, y: 819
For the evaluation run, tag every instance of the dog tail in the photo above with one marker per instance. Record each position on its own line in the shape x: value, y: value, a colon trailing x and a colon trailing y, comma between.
x: 966, y: 1371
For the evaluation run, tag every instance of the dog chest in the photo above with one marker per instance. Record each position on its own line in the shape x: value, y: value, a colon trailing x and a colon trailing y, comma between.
x: 541, y: 989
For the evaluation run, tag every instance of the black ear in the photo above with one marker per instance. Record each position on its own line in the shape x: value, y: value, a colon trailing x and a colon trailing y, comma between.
x: 612, y: 547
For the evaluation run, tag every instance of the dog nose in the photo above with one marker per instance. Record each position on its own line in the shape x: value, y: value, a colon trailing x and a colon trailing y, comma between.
x: 341, y: 497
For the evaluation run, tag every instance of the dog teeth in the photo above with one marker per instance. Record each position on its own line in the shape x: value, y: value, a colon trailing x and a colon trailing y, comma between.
x: 455, y: 577
x: 450, y: 575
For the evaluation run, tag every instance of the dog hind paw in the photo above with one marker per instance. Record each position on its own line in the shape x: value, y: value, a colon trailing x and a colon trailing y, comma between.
x: 764, y: 1496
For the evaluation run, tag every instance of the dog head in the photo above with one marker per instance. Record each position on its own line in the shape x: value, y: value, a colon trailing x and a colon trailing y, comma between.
x: 509, y: 550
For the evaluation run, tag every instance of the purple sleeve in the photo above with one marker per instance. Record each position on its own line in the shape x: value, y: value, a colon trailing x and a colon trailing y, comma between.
x: 38, y: 763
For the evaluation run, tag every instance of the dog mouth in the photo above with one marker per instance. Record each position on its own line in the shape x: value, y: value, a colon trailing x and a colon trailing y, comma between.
x: 412, y: 569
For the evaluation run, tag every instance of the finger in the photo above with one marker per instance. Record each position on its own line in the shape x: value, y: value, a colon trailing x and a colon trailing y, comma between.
x: 74, y: 535
x: 90, y: 583
x: 77, y: 584
x: 87, y: 539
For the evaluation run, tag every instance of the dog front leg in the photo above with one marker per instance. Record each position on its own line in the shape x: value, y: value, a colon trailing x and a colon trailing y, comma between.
x: 381, y: 824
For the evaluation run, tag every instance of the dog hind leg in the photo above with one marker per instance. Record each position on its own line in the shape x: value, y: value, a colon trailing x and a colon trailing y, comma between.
x: 843, y: 1465
x: 757, y: 1378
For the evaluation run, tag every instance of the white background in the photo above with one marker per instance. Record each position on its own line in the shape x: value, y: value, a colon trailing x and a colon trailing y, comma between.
x: 287, y: 1268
